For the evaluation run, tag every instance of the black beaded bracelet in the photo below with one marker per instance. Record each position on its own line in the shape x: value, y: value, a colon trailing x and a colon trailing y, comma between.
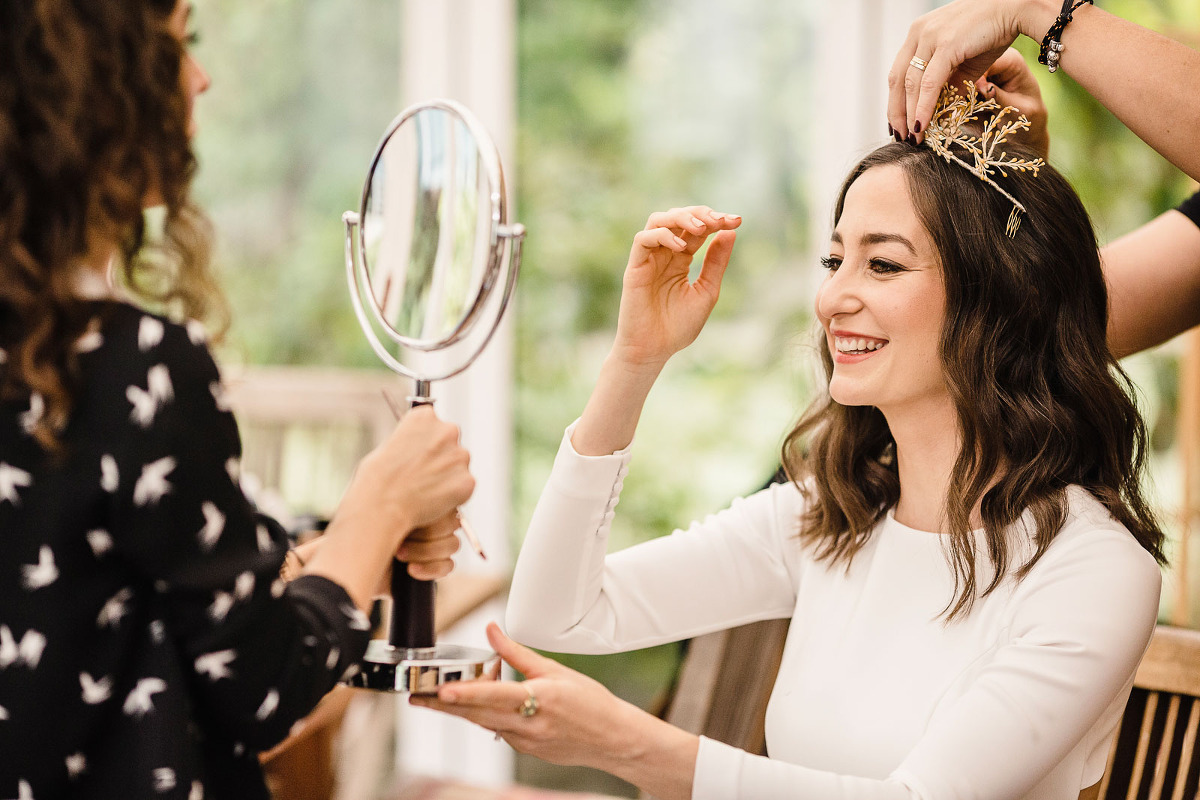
x: 1052, y: 44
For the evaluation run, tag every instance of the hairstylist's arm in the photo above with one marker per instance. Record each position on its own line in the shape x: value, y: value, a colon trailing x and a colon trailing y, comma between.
x: 1146, y: 79
x: 1153, y: 283
x: 416, y: 479
x: 661, y: 313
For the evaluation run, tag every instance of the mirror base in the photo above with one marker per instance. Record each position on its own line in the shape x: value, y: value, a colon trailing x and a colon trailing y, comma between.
x: 386, y: 668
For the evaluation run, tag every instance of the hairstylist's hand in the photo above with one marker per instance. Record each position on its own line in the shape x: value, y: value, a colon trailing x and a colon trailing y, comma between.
x: 429, y: 551
x: 417, y: 477
x: 661, y: 311
x: 1010, y: 82
x: 961, y: 39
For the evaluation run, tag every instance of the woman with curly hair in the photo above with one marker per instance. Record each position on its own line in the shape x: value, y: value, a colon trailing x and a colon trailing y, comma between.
x: 964, y: 551
x: 148, y: 645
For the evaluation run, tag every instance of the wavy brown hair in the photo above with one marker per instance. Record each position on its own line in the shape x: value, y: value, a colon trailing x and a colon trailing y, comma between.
x: 1041, y: 402
x: 93, y: 120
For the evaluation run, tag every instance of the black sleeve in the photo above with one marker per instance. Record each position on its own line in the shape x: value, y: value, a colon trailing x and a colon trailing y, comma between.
x: 1190, y: 208
x: 261, y: 655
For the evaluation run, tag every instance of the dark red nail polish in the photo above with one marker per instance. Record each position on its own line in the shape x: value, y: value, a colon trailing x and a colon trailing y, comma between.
x: 911, y: 139
x: 897, y: 137
x: 890, y: 131
x: 917, y: 126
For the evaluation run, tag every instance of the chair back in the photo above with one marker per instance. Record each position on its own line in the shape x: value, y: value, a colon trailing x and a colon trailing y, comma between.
x: 1154, y: 754
x: 726, y: 681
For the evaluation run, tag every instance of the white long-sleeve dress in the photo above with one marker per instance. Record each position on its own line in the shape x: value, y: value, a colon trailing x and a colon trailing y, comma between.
x: 877, y: 695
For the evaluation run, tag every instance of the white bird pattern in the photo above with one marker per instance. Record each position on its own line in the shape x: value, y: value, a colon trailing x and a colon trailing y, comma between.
x: 95, y: 691
x: 152, y: 485
x: 358, y: 620
x: 269, y: 704
x: 265, y: 543
x: 215, y: 666
x: 150, y: 333
x: 219, y: 396
x: 76, y: 765
x: 28, y: 420
x: 140, y: 701
x: 110, y: 476
x: 222, y: 602
x: 100, y: 541
x: 11, y: 479
x: 42, y: 574
x: 243, y: 587
x: 114, y: 609
x: 147, y: 402
x: 29, y: 650
x: 158, y: 631
x: 24, y: 790
x: 164, y: 779
x: 197, y: 792
x: 214, y: 526
x: 196, y: 332
x: 92, y: 339
x: 3, y: 713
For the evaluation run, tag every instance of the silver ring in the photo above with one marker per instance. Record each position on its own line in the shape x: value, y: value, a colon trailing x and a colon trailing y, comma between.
x: 919, y: 63
x: 530, y: 706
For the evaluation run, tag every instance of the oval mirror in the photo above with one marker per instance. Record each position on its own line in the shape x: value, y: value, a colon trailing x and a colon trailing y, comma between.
x: 432, y: 234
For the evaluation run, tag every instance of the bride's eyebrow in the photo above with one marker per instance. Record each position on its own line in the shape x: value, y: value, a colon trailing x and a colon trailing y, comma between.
x: 879, y: 238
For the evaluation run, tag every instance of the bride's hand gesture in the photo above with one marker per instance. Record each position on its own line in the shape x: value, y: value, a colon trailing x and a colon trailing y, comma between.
x: 661, y: 311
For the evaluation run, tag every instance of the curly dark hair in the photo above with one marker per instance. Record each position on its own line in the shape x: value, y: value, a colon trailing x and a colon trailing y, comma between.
x: 93, y: 120
x: 1040, y: 400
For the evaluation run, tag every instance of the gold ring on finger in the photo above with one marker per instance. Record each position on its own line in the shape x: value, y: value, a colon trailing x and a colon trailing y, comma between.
x: 530, y: 706
x: 919, y: 63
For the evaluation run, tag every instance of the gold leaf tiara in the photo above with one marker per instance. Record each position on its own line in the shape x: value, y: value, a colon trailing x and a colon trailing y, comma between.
x: 947, y: 128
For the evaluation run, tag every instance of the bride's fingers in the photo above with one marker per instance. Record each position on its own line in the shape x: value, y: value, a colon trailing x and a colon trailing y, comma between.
x: 651, y: 239
x: 716, y: 260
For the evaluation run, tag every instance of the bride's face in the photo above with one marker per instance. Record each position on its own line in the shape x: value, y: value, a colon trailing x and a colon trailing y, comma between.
x: 882, y: 303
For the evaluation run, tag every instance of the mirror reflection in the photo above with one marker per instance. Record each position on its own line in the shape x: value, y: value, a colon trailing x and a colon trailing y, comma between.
x: 428, y: 228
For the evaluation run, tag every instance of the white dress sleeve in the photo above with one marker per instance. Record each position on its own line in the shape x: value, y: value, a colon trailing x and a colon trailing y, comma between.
x: 1084, y: 619
x: 734, y: 567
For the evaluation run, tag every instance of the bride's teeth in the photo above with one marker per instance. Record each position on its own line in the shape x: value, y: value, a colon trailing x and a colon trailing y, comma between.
x: 846, y: 345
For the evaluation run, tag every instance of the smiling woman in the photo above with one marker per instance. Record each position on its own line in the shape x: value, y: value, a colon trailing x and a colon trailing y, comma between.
x: 967, y: 562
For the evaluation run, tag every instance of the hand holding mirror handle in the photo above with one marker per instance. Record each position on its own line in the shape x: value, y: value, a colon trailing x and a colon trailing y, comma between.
x: 437, y: 264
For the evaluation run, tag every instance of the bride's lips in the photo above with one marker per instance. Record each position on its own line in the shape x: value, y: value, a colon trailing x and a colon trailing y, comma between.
x: 851, y: 347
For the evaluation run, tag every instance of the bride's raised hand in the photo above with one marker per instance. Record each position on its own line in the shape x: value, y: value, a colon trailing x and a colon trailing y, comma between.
x: 661, y: 310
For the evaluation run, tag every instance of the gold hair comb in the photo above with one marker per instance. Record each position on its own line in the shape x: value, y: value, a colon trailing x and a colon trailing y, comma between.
x: 948, y: 127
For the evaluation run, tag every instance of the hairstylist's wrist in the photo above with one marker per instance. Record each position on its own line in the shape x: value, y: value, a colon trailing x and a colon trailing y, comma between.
x: 1034, y: 17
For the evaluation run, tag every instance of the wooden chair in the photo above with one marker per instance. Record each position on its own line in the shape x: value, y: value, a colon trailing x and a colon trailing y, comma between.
x: 1154, y: 755
x: 725, y: 683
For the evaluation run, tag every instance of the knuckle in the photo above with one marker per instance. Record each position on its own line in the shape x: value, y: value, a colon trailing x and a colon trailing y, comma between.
x: 910, y: 83
x: 893, y: 79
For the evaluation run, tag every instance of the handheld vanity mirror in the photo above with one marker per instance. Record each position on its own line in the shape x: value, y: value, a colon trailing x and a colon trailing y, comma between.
x: 437, y: 263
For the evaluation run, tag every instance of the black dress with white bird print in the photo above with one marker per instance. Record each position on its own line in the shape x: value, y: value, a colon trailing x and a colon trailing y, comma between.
x: 147, y: 647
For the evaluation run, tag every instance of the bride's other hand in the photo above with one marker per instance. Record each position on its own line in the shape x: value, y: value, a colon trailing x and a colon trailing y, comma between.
x: 662, y: 311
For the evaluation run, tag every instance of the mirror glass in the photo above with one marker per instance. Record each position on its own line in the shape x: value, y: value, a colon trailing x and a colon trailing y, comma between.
x: 429, y: 229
